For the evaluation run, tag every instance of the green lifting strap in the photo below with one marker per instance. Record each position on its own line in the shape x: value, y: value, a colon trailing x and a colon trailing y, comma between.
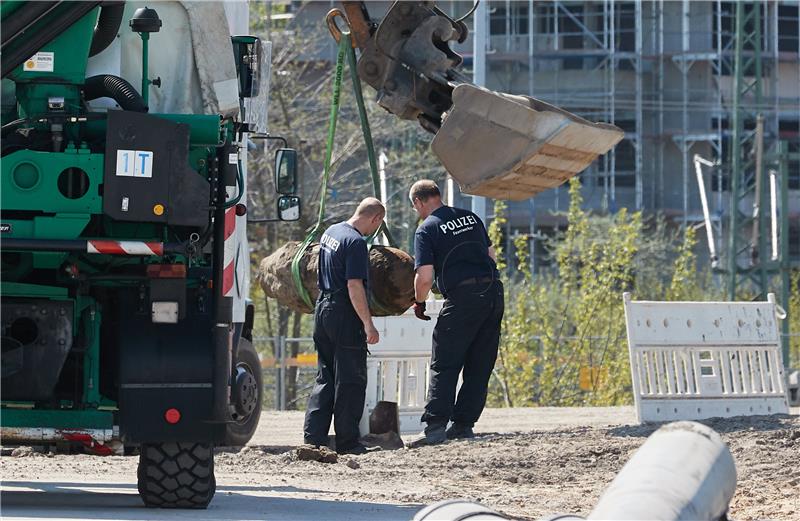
x: 344, y: 47
x: 344, y: 44
x: 365, y: 129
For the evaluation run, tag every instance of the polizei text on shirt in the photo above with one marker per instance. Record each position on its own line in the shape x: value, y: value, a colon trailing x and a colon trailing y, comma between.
x: 329, y: 242
x: 458, y: 225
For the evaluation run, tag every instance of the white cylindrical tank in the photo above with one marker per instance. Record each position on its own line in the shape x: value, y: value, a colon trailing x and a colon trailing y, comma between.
x: 684, y: 471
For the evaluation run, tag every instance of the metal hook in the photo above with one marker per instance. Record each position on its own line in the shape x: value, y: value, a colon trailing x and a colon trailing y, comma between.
x: 191, y: 246
x: 333, y: 27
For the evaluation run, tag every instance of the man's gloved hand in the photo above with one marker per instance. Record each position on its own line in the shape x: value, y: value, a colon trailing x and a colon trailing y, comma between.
x: 419, y: 311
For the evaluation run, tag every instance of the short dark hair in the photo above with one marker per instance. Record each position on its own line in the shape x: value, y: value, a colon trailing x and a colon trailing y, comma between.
x: 423, y: 190
x: 370, y: 207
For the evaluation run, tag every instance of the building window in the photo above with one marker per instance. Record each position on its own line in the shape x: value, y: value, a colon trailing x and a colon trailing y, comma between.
x: 625, y: 13
x: 624, y: 160
x: 789, y: 131
x: 794, y: 167
x: 544, y: 18
x: 788, y: 33
x: 794, y: 242
x: 508, y: 21
x: 572, y: 34
x: 625, y: 156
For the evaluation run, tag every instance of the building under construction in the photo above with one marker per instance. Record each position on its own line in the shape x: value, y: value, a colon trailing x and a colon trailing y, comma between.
x: 664, y: 72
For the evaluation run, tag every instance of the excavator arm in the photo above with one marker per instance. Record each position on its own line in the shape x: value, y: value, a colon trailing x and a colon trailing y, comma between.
x: 406, y: 58
x: 493, y: 144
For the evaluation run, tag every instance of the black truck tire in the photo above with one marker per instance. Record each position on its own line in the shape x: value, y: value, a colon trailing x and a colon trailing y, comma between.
x: 176, y: 475
x: 239, y: 432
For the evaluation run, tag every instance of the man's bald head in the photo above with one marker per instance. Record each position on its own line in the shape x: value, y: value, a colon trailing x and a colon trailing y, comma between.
x: 423, y: 190
x: 425, y: 197
x: 370, y: 208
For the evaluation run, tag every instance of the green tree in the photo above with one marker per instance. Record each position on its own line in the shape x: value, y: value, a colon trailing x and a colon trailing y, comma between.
x: 793, y: 316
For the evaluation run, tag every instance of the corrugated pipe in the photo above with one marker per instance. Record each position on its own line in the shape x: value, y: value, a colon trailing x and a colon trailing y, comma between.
x: 107, y: 27
x: 116, y: 88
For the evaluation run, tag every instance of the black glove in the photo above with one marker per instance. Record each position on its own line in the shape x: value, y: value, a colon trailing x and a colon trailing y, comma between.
x: 419, y: 311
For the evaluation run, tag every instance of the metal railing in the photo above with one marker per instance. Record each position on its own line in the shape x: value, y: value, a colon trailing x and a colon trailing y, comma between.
x: 274, y: 369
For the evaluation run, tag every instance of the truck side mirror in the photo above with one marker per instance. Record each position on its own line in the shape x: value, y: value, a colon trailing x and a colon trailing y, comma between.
x: 286, y: 171
x: 247, y: 50
x: 288, y: 208
x: 253, y: 59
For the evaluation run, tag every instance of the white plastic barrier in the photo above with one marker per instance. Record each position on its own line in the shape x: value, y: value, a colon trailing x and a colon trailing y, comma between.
x: 695, y: 360
x: 399, y: 366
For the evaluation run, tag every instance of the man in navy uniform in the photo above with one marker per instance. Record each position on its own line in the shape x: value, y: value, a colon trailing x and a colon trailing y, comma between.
x: 342, y: 329
x: 451, y: 246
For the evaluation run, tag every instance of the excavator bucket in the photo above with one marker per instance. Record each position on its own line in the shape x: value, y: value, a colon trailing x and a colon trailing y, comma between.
x: 496, y: 145
x: 513, y: 147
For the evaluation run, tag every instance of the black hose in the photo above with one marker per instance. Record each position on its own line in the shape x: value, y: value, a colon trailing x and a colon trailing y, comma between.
x: 107, y: 27
x: 110, y: 86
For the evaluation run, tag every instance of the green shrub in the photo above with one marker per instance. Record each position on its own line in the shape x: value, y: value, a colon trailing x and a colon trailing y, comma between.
x: 564, y: 341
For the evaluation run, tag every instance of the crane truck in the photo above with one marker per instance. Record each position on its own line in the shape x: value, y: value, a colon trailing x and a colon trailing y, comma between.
x: 124, y: 261
x: 123, y: 211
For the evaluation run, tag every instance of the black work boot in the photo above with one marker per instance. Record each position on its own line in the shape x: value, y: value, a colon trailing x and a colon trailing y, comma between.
x: 433, y: 434
x: 359, y: 450
x: 460, y: 431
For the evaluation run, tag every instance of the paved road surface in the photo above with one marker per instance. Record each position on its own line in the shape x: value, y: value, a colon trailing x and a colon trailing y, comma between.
x: 120, y: 502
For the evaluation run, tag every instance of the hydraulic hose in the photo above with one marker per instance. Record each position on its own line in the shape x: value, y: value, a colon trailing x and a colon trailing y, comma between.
x: 110, y: 86
x: 107, y: 27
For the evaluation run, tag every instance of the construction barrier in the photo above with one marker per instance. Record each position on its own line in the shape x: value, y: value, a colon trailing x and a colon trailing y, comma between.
x: 397, y: 370
x: 696, y: 360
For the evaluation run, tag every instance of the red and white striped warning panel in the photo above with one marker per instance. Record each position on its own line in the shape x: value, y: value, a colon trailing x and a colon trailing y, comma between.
x: 125, y: 247
x: 230, y: 252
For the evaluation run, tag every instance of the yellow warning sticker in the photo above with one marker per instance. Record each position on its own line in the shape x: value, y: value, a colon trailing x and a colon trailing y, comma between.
x: 40, y: 62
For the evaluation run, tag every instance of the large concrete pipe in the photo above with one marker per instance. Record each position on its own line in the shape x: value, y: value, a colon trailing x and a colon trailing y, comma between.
x: 684, y: 471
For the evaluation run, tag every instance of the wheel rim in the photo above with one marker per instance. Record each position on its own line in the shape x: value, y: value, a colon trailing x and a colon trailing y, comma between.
x: 246, y: 393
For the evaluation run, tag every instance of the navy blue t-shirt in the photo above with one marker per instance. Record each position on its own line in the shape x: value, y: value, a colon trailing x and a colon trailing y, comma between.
x: 343, y: 256
x: 455, y: 242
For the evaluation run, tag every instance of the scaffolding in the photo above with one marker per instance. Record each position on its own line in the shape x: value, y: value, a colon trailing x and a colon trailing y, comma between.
x: 662, y: 71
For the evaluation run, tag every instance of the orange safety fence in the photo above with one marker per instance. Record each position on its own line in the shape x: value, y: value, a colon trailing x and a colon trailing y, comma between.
x: 301, y: 360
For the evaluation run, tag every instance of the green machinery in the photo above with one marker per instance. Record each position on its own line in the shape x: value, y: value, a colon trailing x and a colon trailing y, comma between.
x: 117, y: 322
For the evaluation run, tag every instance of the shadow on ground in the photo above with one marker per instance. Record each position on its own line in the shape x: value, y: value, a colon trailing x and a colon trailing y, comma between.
x: 120, y: 502
x: 774, y: 422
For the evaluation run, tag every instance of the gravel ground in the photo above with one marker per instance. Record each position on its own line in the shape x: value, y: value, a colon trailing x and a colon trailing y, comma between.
x: 527, y: 463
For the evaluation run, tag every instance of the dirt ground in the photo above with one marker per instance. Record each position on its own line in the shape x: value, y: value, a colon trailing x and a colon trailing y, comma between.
x: 527, y: 463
